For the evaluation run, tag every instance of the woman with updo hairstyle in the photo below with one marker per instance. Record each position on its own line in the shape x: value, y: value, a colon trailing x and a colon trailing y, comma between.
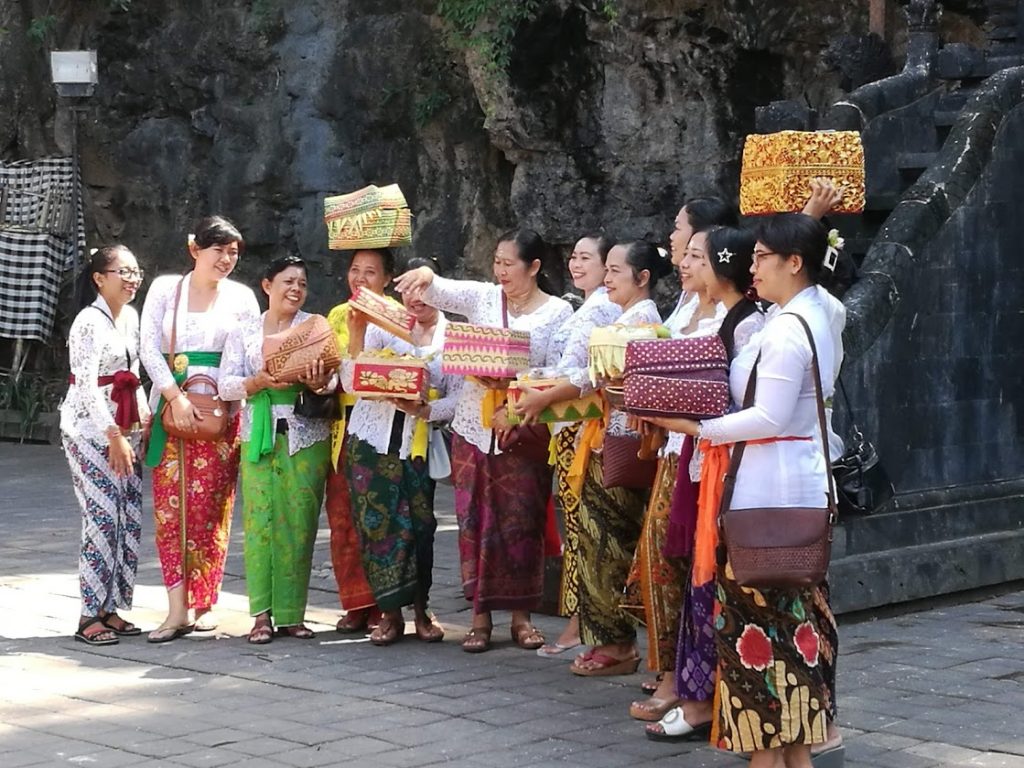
x: 723, y: 267
x: 500, y: 495
x: 285, y: 458
x: 784, y: 466
x: 609, y: 518
x: 370, y: 269
x: 567, y: 356
x: 102, y: 420
x: 193, y: 528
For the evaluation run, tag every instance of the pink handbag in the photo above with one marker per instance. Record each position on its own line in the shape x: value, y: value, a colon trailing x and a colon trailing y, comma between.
x: 686, y: 378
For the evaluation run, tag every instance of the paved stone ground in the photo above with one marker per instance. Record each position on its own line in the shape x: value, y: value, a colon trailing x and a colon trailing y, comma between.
x: 940, y: 687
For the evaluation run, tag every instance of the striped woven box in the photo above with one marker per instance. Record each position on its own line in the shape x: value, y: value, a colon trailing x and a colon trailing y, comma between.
x: 480, y: 350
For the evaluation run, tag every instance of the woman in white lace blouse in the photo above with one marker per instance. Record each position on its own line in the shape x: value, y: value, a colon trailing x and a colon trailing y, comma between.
x: 285, y: 458
x: 500, y: 496
x: 391, y: 481
x: 101, y: 423
x: 200, y: 308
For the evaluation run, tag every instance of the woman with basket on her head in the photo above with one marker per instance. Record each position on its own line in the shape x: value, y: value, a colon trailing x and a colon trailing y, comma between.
x: 285, y: 455
x: 101, y: 423
x: 501, y: 485
x: 610, y: 515
x: 776, y: 644
x: 194, y: 444
x: 391, y: 462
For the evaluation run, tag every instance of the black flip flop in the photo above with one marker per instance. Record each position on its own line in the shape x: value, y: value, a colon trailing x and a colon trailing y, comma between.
x: 81, y: 637
x: 175, y: 633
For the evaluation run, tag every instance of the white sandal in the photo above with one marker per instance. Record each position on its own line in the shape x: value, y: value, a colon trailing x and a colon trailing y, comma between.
x: 675, y: 728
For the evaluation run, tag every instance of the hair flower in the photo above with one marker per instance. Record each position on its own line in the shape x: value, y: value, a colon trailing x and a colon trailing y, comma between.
x: 835, y: 245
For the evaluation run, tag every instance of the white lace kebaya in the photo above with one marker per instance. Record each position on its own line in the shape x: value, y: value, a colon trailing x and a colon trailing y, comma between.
x: 99, y: 347
x: 243, y: 357
x: 372, y: 420
x: 481, y: 303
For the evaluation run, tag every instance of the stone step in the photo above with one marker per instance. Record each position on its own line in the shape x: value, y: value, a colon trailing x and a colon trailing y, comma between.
x: 911, y: 573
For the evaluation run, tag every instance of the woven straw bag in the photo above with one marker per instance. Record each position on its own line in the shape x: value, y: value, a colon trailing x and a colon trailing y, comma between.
x: 288, y: 353
x: 371, y: 217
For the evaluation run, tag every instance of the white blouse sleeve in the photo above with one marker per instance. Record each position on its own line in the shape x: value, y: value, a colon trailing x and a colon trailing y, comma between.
x: 745, y: 331
x: 785, y: 356
x: 233, y: 365
x: 133, y: 335
x: 463, y: 297
x: 159, y: 298
x: 443, y: 409
x: 84, y: 350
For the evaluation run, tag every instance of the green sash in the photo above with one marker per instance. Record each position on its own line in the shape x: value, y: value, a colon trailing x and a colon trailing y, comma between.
x: 261, y: 441
x: 157, y: 434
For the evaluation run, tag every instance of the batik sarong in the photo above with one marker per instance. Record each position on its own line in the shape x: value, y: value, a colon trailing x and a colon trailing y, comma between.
x: 500, y: 503
x: 281, y: 498
x: 393, y: 510
x: 353, y: 588
x: 776, y: 666
x: 569, y: 503
x: 654, y: 589
x: 210, y: 473
x: 610, y: 523
x: 111, y: 526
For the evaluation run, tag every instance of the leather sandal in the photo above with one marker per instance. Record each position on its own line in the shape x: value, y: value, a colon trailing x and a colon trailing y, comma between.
x: 527, y: 636
x: 354, y: 622
x: 298, y: 631
x: 674, y: 727
x: 650, y: 687
x: 431, y: 632
x: 388, y: 631
x: 477, y: 640
x: 120, y: 627
x: 261, y: 633
x: 653, y: 709
x: 105, y: 636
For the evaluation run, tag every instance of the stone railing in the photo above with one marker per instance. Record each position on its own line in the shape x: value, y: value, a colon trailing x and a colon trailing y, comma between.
x: 926, y: 207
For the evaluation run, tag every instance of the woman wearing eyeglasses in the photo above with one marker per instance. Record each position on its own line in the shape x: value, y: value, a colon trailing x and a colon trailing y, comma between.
x: 101, y: 422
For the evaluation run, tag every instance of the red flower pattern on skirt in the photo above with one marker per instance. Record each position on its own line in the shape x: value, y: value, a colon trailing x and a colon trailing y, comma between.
x: 754, y: 648
x: 807, y: 642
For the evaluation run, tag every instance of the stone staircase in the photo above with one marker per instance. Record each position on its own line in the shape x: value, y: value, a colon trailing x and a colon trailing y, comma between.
x: 947, y: 530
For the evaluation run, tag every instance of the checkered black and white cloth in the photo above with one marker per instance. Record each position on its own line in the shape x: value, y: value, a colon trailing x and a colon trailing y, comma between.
x: 38, y: 243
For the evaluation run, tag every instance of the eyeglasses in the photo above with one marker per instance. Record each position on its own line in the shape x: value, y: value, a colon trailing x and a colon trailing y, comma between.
x: 760, y: 257
x: 127, y: 274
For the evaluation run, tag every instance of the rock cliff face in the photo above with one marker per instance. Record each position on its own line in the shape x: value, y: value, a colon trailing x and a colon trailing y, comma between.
x: 260, y: 109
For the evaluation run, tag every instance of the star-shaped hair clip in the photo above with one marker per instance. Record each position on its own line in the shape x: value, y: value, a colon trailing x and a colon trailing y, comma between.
x: 724, y: 255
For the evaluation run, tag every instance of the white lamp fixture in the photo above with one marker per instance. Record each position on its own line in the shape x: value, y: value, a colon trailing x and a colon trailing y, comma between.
x: 75, y: 73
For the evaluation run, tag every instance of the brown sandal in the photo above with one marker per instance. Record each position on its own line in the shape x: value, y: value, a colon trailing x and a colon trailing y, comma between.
x: 262, y: 632
x: 298, y: 631
x: 477, y: 640
x: 527, y: 636
x: 389, y: 631
x: 431, y: 632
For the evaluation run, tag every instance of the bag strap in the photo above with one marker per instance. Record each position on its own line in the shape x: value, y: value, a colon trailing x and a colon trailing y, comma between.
x: 504, y: 310
x: 729, y: 482
x: 174, y: 323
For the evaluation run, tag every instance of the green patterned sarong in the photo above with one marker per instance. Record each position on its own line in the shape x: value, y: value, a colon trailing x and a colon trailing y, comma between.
x: 281, y: 498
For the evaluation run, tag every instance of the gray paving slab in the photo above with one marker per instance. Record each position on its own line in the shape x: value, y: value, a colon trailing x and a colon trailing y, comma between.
x: 935, y: 687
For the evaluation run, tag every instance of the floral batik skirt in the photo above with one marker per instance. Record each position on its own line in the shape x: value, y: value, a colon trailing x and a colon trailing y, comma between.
x: 776, y: 666
x: 393, y: 510
x: 203, y: 481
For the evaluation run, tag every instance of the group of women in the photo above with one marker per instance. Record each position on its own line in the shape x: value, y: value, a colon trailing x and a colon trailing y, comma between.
x: 755, y: 668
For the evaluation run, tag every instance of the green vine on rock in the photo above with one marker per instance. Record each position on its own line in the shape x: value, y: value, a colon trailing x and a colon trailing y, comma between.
x: 487, y: 26
x: 39, y: 28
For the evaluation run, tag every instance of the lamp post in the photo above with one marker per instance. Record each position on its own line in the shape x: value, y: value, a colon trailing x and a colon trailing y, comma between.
x: 75, y: 75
